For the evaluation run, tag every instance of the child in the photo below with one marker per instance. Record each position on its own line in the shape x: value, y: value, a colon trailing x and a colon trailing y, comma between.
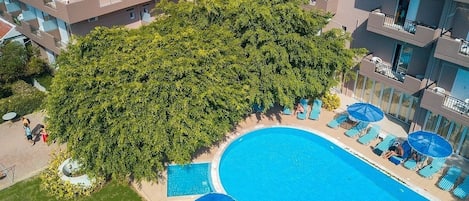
x: 26, y: 121
x: 29, y: 134
x: 44, y: 133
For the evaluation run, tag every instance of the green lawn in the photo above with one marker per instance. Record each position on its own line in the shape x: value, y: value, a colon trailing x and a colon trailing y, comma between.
x: 29, y: 190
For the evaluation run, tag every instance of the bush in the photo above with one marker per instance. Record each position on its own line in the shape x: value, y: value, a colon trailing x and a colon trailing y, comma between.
x: 25, y: 99
x: 64, y: 190
x: 5, y: 92
x: 330, y: 101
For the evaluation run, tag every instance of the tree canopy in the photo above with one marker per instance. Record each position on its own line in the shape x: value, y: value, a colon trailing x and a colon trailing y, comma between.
x: 19, y: 61
x: 129, y: 101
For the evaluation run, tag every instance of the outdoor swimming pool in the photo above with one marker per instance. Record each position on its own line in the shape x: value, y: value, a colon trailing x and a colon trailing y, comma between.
x: 282, y: 163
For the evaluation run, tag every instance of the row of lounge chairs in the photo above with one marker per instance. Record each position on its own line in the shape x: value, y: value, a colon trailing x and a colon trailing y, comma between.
x: 447, y: 182
x: 315, y: 109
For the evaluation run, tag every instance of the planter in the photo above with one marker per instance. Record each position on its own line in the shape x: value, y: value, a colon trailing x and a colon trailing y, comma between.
x: 67, y: 168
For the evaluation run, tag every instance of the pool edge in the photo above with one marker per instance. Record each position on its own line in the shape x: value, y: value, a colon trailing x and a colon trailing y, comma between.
x: 232, y: 136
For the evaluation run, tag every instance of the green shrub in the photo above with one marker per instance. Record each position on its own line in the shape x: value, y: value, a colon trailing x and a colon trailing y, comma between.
x: 25, y: 99
x: 330, y: 101
x: 64, y: 190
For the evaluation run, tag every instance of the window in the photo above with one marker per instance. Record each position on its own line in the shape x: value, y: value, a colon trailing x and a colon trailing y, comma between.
x: 131, y: 13
x: 94, y: 19
x: 402, y: 57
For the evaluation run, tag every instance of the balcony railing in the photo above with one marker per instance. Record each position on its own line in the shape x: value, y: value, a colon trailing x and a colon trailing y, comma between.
x: 406, y: 25
x: 386, y: 69
x: 464, y: 48
x: 457, y: 105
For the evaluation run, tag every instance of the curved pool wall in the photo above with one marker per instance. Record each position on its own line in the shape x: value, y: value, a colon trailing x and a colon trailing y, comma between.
x: 372, y: 173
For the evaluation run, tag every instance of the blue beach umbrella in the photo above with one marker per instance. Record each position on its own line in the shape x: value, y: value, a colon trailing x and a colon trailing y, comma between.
x: 430, y: 144
x: 365, y: 112
x: 215, y: 197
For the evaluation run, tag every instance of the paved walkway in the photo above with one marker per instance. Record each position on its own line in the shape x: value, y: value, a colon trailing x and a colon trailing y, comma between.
x: 22, y: 159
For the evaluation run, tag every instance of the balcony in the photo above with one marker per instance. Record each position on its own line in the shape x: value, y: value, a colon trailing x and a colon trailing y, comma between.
x: 383, y: 73
x: 452, y: 50
x: 411, y: 32
x: 43, y: 38
x: 73, y: 11
x: 445, y: 105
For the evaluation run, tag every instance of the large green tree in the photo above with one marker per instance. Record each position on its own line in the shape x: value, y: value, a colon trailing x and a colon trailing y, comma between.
x: 128, y: 101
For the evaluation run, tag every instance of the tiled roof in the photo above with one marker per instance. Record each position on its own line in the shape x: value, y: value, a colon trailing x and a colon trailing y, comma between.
x: 4, y: 28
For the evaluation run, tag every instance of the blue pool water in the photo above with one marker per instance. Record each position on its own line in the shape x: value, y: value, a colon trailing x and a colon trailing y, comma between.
x: 189, y: 179
x: 284, y: 164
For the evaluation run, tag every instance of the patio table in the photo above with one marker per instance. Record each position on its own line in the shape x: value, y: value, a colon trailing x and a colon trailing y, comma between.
x: 9, y: 116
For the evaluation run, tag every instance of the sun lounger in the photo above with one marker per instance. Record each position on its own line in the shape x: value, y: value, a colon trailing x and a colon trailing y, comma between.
x: 372, y: 134
x: 462, y: 189
x: 286, y: 111
x: 429, y: 170
x: 447, y: 182
x: 257, y: 108
x: 316, y: 109
x: 335, y: 123
x: 412, y: 164
x: 407, y: 152
x: 303, y: 115
x: 384, y: 145
x: 357, y: 129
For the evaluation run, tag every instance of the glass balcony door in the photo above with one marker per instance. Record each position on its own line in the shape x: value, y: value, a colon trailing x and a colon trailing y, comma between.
x: 402, y: 57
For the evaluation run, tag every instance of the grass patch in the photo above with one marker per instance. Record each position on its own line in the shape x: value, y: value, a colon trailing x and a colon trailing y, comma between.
x: 25, y: 99
x: 30, y: 190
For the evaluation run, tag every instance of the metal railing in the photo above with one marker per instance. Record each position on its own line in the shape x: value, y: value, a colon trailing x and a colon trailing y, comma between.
x: 464, y: 48
x: 457, y: 105
x: 386, y: 69
x: 406, y: 25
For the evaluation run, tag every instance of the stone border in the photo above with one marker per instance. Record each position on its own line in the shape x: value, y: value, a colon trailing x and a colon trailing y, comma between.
x: 82, y: 180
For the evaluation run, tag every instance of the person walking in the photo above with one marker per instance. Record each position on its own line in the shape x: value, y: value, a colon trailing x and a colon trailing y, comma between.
x: 29, y: 134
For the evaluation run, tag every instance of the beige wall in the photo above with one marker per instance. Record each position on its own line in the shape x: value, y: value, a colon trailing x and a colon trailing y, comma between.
x: 121, y: 17
x: 461, y: 23
x: 430, y: 18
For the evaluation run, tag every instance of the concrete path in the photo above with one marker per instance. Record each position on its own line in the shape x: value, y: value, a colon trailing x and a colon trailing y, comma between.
x: 20, y: 158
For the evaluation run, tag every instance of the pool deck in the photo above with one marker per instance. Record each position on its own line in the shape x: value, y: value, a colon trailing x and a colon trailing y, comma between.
x: 157, y: 191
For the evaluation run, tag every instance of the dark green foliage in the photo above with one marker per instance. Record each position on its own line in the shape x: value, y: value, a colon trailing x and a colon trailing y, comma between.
x: 13, y: 59
x: 25, y: 99
x: 129, y: 101
x: 5, y: 91
x: 18, y: 61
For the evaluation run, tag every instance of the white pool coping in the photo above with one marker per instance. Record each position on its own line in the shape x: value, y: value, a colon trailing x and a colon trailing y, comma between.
x: 218, y: 187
